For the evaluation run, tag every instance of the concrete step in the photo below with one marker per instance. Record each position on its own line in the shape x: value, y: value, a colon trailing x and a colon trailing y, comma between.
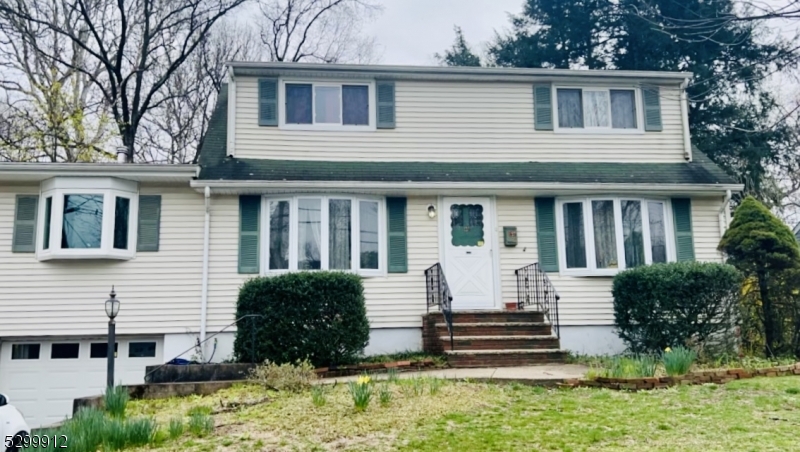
x: 496, y: 329
x: 497, y: 316
x: 504, y: 358
x: 500, y: 342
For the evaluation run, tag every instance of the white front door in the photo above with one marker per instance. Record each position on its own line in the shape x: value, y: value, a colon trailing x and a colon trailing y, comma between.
x: 468, y: 254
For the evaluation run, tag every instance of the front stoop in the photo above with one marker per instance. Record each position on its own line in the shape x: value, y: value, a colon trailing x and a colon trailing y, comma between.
x: 493, y: 339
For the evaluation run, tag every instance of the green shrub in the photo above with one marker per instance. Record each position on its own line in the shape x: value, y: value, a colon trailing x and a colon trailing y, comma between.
x: 319, y: 316
x: 628, y: 367
x: 116, y: 400
x: 284, y: 377
x: 666, y: 305
x: 201, y: 424
x: 678, y: 360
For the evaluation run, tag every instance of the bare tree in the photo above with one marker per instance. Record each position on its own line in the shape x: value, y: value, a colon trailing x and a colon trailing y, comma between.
x: 139, y: 45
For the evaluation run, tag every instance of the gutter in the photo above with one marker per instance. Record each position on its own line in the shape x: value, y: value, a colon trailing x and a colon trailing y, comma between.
x: 20, y: 170
x: 204, y: 288
x: 475, y: 186
x: 687, y: 140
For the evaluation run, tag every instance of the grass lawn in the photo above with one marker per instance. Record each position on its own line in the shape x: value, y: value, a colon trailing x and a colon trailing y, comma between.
x: 758, y: 415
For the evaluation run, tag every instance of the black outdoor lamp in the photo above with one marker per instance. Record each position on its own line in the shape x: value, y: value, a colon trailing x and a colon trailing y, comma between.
x: 112, y: 309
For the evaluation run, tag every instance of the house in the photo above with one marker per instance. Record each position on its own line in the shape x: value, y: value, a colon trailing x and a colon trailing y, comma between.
x: 494, y: 180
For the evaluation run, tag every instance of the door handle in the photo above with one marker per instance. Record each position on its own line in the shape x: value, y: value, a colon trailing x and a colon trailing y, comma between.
x: 469, y: 252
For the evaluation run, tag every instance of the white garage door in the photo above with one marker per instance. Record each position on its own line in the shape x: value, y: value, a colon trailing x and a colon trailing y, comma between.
x: 43, y: 377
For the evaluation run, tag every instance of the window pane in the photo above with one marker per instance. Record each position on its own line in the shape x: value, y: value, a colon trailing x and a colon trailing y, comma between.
x: 368, y: 216
x: 632, y: 233
x: 83, y: 221
x: 48, y: 213
x: 309, y: 217
x: 466, y: 225
x: 100, y: 350
x: 327, y: 109
x: 65, y: 351
x: 279, y: 235
x: 574, y: 236
x: 25, y: 351
x: 121, y: 218
x: 339, y: 233
x: 570, y: 108
x: 623, y: 109
x: 596, y: 108
x: 658, y: 231
x: 605, y: 237
x: 298, y: 103
x: 142, y: 350
x: 355, y: 105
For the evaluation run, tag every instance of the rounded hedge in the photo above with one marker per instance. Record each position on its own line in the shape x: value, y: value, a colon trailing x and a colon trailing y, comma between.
x: 666, y: 305
x: 319, y: 316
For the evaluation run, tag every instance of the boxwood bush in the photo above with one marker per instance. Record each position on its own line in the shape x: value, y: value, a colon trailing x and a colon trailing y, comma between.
x: 319, y: 316
x: 667, y: 305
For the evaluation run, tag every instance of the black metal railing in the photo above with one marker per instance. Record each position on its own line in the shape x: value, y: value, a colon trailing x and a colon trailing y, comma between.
x: 439, y: 296
x: 535, y: 289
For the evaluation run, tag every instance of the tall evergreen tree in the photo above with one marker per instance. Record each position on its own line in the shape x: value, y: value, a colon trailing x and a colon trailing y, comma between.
x: 732, y: 117
x: 460, y: 54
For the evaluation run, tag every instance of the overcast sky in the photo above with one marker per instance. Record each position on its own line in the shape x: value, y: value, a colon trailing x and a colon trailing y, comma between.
x: 411, y: 31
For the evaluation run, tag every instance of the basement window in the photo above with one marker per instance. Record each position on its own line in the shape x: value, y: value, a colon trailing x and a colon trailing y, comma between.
x: 87, y: 218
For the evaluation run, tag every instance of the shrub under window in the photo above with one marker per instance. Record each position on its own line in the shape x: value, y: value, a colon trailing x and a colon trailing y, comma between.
x: 666, y: 305
x: 319, y: 316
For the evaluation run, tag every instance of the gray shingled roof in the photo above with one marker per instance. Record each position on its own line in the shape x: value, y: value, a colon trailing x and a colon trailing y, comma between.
x: 215, y: 165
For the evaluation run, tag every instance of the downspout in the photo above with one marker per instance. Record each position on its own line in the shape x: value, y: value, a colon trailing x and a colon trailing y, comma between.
x: 687, y: 142
x: 724, y: 213
x: 204, y: 290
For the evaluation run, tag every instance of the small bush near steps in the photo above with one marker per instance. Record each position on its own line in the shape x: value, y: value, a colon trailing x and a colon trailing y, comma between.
x: 284, y: 377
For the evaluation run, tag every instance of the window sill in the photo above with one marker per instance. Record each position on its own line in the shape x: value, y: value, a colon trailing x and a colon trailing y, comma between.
x: 363, y: 273
x: 99, y: 254
x: 327, y: 128
x: 590, y: 274
x: 576, y: 131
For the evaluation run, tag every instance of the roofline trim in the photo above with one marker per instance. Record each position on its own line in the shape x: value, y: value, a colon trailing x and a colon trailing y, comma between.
x: 36, y: 169
x: 376, y: 185
x: 270, y: 68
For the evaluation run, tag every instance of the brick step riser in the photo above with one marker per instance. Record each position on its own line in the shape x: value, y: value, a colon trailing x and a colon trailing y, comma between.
x: 498, y: 330
x: 505, y: 360
x: 497, y: 344
x: 498, y: 317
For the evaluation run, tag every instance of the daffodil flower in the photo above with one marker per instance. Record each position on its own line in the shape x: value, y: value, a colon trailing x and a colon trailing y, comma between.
x: 363, y: 380
x: 667, y: 349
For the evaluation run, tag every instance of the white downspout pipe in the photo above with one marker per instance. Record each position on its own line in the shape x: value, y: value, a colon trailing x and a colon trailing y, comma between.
x: 687, y: 141
x: 204, y: 289
x: 724, y: 213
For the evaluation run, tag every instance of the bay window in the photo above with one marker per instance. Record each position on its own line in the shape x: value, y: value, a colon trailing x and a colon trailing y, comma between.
x: 87, y: 218
x: 328, y: 105
x: 597, y: 109
x: 602, y: 235
x: 324, y: 233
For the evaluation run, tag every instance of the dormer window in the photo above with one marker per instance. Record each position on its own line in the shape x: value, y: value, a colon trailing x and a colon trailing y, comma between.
x: 597, y: 109
x: 327, y: 105
x: 87, y: 218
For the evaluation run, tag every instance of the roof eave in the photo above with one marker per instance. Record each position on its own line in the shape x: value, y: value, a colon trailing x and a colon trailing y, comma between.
x: 31, y: 171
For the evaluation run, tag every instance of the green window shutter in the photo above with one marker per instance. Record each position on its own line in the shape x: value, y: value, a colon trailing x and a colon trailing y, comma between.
x: 542, y: 107
x: 652, y: 109
x: 385, y: 110
x: 149, y: 227
x: 546, y: 233
x: 268, y: 102
x: 397, y: 237
x: 682, y: 215
x: 249, y: 213
x: 24, y: 240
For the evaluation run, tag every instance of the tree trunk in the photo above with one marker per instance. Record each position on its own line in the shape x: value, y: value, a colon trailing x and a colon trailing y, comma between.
x: 771, y: 333
x: 128, y: 137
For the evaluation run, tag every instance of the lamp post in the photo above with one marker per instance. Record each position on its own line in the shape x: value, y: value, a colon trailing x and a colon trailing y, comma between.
x: 112, y: 309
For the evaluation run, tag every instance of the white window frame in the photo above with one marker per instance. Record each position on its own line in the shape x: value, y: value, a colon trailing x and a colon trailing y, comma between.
x: 109, y: 188
x: 355, y: 238
x: 588, y: 230
x: 371, y: 125
x: 637, y: 101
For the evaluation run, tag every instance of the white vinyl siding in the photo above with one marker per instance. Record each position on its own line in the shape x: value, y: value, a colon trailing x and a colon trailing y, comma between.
x: 457, y: 121
x: 587, y: 300
x: 159, y: 291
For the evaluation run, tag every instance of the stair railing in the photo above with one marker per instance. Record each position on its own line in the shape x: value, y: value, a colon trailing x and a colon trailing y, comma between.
x: 438, y: 294
x: 535, y: 289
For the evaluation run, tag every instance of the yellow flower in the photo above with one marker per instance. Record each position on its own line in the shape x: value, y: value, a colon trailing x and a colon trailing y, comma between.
x: 364, y: 379
x: 667, y: 349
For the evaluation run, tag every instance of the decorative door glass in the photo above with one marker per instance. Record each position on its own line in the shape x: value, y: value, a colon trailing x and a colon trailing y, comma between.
x: 466, y: 224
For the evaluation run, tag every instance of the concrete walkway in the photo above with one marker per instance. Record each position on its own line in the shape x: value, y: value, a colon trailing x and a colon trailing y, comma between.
x: 549, y: 374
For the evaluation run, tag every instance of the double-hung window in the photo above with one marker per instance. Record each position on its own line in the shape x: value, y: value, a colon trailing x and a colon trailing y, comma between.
x: 597, y: 109
x: 324, y: 233
x: 312, y: 105
x: 603, y: 235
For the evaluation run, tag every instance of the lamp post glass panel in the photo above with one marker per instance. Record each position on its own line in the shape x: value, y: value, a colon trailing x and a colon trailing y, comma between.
x: 112, y: 309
